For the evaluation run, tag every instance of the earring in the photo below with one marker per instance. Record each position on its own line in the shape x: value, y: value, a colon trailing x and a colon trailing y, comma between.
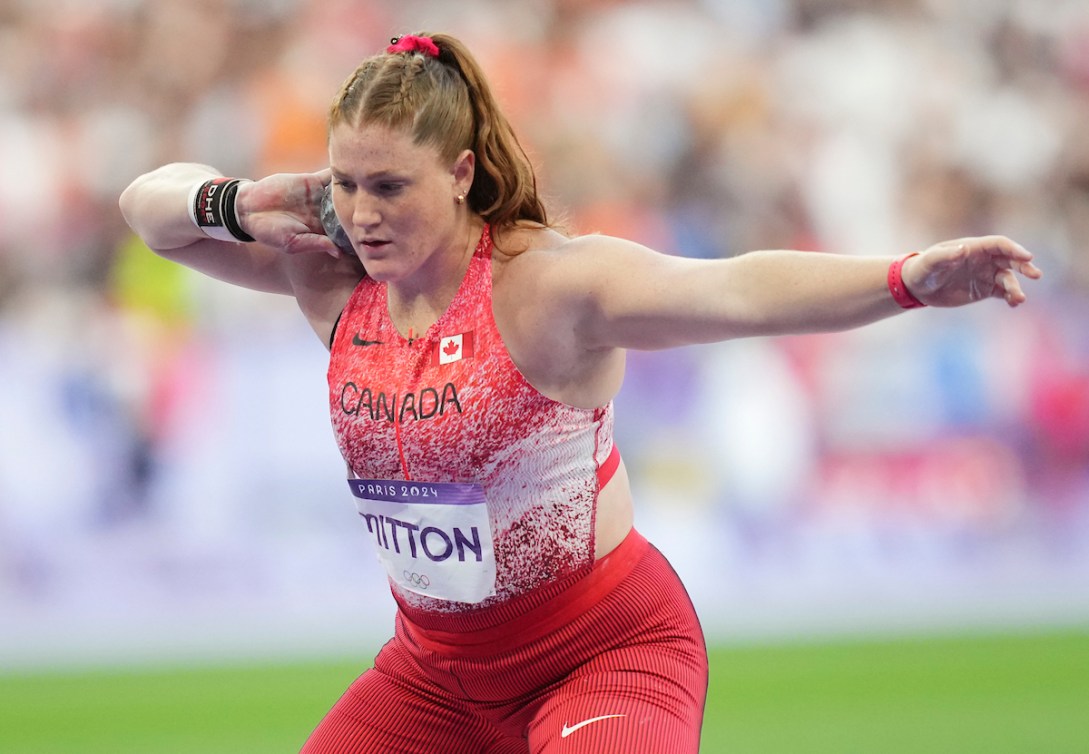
x: 461, y: 199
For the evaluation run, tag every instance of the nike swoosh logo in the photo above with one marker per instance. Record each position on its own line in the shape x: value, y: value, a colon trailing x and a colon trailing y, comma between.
x: 358, y: 341
x: 568, y: 730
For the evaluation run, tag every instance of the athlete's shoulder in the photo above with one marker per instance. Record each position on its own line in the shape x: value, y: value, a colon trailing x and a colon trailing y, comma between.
x: 548, y: 277
x: 544, y: 251
x: 522, y: 241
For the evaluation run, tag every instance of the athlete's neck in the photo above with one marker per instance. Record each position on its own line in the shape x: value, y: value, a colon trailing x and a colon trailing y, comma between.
x: 416, y: 304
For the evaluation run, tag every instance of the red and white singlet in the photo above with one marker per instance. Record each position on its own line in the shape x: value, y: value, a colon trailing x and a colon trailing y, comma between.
x: 474, y: 487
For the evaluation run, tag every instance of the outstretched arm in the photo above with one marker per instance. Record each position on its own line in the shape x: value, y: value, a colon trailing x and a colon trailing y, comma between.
x: 628, y: 296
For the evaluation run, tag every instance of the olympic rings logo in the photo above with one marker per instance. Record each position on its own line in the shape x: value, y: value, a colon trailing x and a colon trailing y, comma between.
x: 417, y: 579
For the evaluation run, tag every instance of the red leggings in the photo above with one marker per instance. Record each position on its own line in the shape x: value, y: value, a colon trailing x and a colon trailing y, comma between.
x: 615, y: 663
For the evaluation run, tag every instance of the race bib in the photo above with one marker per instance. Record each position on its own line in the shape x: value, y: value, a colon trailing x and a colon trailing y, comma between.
x: 433, y: 538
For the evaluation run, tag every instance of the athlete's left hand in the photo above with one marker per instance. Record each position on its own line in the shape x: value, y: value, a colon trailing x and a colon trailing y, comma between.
x: 954, y: 273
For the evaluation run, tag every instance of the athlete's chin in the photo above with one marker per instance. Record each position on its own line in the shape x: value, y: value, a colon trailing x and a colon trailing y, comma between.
x: 382, y: 270
x: 380, y: 274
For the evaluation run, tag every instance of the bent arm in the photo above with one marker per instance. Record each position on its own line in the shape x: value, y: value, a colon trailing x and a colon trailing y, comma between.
x: 155, y: 206
x: 282, y: 212
x: 291, y: 254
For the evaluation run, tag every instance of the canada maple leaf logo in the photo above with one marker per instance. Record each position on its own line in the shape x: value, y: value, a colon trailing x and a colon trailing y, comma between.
x: 452, y: 348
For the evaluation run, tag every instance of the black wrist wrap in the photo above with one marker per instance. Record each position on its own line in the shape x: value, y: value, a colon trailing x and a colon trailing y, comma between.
x: 213, y: 210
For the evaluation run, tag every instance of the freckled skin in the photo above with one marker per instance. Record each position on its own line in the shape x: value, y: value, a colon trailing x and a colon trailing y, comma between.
x: 536, y: 458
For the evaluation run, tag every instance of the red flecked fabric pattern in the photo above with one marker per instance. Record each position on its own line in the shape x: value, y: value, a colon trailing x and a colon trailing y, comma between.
x: 398, y: 414
x: 617, y: 663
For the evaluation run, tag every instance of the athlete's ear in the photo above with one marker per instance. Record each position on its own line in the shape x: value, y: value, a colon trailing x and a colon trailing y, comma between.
x: 463, y: 171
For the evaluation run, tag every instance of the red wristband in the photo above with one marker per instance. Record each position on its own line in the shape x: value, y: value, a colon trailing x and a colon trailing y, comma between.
x: 899, y: 291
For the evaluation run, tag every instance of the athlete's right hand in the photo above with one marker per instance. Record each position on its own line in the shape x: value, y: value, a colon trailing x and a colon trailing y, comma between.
x: 284, y: 211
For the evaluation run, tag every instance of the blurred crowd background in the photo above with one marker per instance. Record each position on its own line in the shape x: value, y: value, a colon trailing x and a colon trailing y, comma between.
x: 168, y: 479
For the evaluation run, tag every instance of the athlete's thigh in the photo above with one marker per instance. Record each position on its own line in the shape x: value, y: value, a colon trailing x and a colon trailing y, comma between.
x: 635, y: 700
x: 395, y: 710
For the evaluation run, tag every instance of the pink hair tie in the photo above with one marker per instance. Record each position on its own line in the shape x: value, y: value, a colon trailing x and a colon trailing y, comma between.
x: 409, y: 43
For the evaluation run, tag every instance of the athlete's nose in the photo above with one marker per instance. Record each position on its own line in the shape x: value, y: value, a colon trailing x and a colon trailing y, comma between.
x: 364, y: 213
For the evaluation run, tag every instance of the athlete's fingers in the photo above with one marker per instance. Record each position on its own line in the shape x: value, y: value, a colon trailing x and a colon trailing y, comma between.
x: 999, y: 247
x: 1029, y: 270
x: 311, y: 243
x: 1015, y: 251
x: 1008, y: 287
x: 324, y: 244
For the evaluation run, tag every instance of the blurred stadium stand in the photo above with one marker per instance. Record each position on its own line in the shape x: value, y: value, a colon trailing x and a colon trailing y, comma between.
x: 168, y: 481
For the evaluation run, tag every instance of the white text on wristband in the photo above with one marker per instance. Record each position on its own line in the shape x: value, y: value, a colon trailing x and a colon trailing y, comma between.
x: 212, y: 209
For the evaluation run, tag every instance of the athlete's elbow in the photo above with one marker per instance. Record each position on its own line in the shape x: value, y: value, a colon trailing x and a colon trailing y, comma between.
x: 127, y: 203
